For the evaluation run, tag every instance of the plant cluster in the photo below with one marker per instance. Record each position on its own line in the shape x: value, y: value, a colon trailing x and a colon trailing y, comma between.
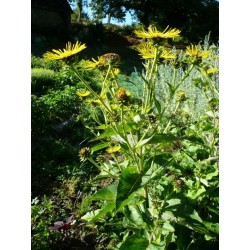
x: 156, y: 154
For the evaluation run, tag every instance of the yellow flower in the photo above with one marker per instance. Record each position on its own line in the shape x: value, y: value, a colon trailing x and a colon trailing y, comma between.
x: 147, y: 51
x: 196, y: 52
x: 212, y: 71
x: 181, y: 95
x: 114, y: 149
x: 116, y: 71
x: 122, y: 95
x: 167, y: 55
x: 100, y: 62
x: 154, y: 33
x: 68, y: 52
x: 83, y: 93
x: 209, y: 71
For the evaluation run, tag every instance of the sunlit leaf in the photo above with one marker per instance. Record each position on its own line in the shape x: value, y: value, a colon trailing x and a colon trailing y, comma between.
x: 134, y: 242
x: 108, y: 193
x: 129, y: 182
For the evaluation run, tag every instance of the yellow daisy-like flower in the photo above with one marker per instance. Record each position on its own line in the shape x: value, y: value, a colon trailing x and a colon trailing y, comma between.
x: 196, y: 52
x: 100, y: 62
x: 116, y: 71
x: 114, y: 149
x: 209, y: 71
x: 83, y: 93
x: 167, y: 55
x: 154, y: 33
x: 122, y: 95
x: 65, y: 53
x: 147, y: 51
x: 212, y: 71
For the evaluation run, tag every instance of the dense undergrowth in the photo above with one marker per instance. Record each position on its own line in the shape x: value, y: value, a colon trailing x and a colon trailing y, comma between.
x: 126, y: 161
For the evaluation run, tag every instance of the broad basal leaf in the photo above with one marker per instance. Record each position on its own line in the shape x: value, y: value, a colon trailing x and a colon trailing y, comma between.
x: 108, y: 193
x: 129, y: 182
x: 134, y: 242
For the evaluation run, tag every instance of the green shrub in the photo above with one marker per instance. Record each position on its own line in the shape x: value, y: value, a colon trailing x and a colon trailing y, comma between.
x: 41, y: 80
x: 39, y: 62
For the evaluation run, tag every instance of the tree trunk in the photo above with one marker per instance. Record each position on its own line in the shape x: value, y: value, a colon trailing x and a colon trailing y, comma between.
x: 80, y: 6
x: 109, y: 18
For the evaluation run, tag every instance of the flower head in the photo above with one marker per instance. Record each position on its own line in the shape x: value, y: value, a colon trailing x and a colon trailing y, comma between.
x: 209, y: 72
x: 114, y: 149
x: 99, y: 63
x: 83, y: 153
x: 116, y: 71
x: 181, y: 95
x: 83, y: 93
x: 122, y: 95
x: 196, y: 52
x: 154, y: 33
x: 111, y: 58
x: 65, y: 53
x: 147, y: 51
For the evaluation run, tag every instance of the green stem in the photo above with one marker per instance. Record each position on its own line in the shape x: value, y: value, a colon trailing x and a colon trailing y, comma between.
x: 89, y: 88
x: 170, y: 119
x: 150, y: 89
x: 186, y: 75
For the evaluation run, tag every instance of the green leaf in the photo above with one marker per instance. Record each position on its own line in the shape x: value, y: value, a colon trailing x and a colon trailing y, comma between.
x: 157, y: 246
x: 162, y: 138
x: 173, y: 202
x: 167, y: 226
x: 194, y: 193
x: 142, y: 142
x: 134, y: 214
x: 108, y: 193
x: 214, y: 227
x: 99, y: 147
x: 193, y: 139
x: 128, y: 127
x: 134, y: 242
x: 140, y: 219
x: 107, y: 133
x: 108, y: 207
x: 88, y: 216
x: 210, y: 114
x: 158, y: 106
x: 129, y: 182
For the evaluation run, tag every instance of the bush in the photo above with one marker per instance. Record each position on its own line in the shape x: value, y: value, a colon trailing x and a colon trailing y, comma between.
x: 41, y: 80
x: 39, y: 62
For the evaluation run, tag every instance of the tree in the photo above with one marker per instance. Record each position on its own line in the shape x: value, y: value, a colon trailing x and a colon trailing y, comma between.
x: 110, y: 8
x: 79, y: 4
x: 196, y: 18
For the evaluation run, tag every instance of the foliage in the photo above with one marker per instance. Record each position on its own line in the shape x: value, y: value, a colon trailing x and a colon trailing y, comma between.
x: 112, y: 8
x: 195, y: 17
x: 57, y: 117
x: 38, y: 62
x: 155, y: 151
x: 42, y: 80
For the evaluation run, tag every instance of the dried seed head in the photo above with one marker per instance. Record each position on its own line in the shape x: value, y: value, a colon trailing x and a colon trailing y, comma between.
x: 83, y: 153
x: 111, y: 58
